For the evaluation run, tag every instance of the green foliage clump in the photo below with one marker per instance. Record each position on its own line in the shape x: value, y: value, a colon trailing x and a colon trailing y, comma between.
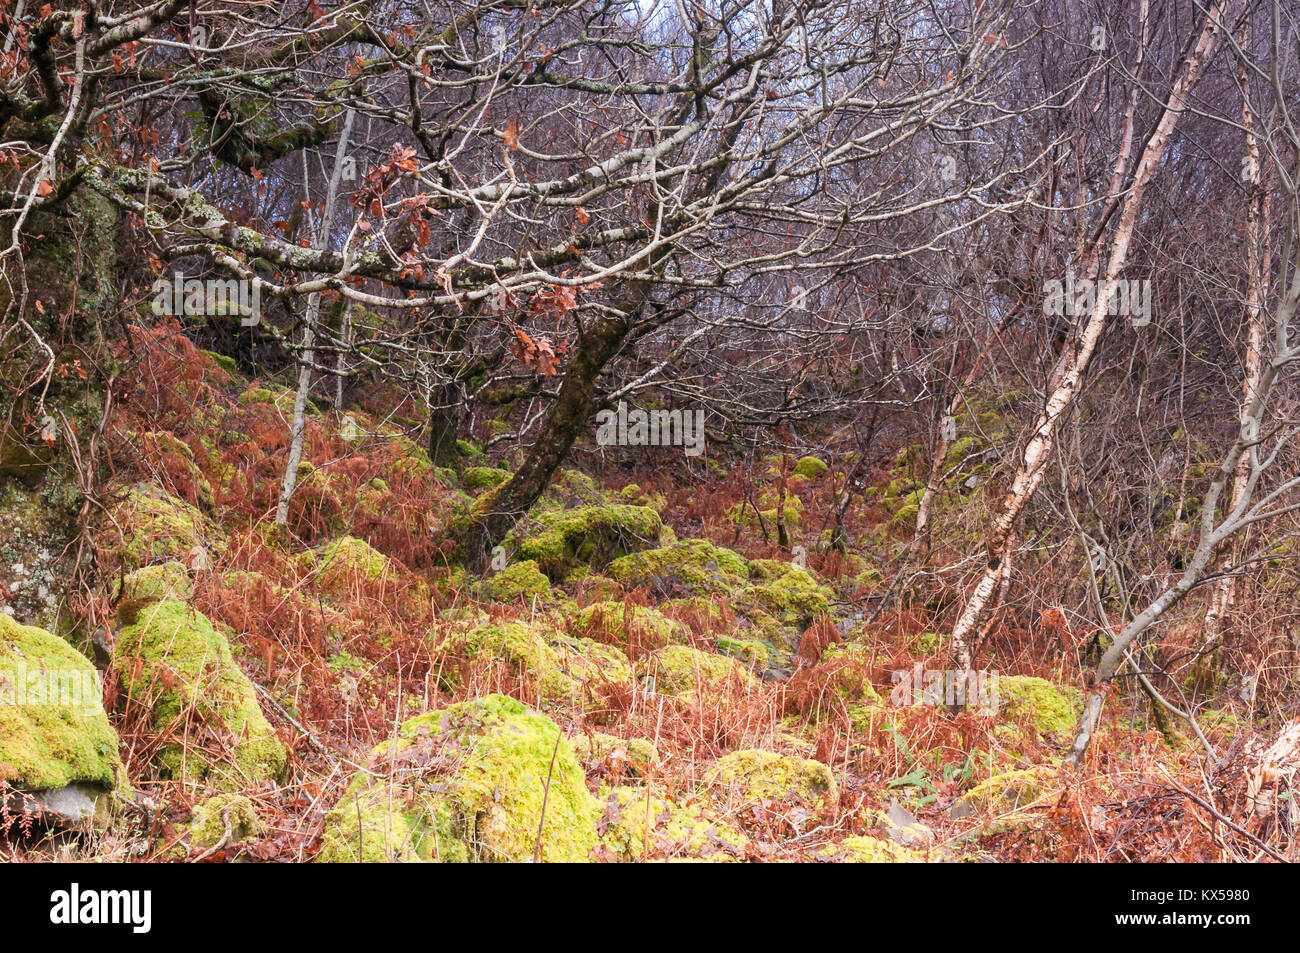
x: 467, y: 784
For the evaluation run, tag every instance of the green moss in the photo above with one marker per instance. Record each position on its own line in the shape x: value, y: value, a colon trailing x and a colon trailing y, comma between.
x: 682, y: 670
x: 870, y: 850
x: 66, y: 741
x: 517, y: 581
x: 481, y: 478
x: 156, y: 526
x: 753, y: 652
x: 1010, y: 794
x: 810, y: 467
x: 629, y: 814
x: 589, y: 535
x: 791, y: 595
x: 210, y: 819
x: 152, y: 584
x: 636, y: 754
x: 756, y: 775
x: 624, y: 623
x: 695, y: 565
x: 1053, y: 710
x: 175, y: 664
x: 745, y: 515
x: 466, y: 784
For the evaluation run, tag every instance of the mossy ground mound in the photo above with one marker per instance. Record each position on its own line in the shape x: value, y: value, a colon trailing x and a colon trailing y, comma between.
x: 473, y: 782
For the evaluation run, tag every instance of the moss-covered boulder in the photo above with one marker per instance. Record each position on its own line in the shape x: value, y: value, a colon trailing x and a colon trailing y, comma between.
x: 483, y: 478
x: 634, y: 825
x: 170, y: 580
x: 1011, y: 799
x: 55, y: 739
x: 689, y: 567
x: 588, y: 536
x: 1027, y: 703
x: 475, y: 782
x: 755, y: 775
x: 627, y: 625
x: 870, y: 850
x: 789, y: 593
x: 517, y: 582
x: 175, y: 462
x: 559, y: 667
x: 173, y: 665
x: 810, y: 468
x: 608, y: 754
x: 150, y: 526
x: 687, y: 672
x: 226, y: 819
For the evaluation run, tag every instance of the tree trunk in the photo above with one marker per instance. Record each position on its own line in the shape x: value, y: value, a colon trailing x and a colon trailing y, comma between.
x: 565, y: 419
x: 1038, y: 451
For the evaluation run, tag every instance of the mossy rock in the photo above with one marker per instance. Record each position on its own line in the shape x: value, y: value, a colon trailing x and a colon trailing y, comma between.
x: 169, y: 580
x: 1008, y: 797
x: 211, y: 818
x: 589, y: 536
x: 54, y: 733
x: 683, y: 671
x: 788, y: 593
x: 755, y: 775
x: 870, y: 850
x: 755, y: 653
x: 176, y: 460
x: 562, y: 668
x: 466, y: 784
x: 1052, y: 710
x: 518, y: 581
x: 810, y: 468
x: 483, y: 478
x: 675, y: 831
x: 622, y: 623
x: 156, y: 527
x: 693, y: 567
x: 635, y: 755
x: 175, y: 664
x: 745, y: 514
